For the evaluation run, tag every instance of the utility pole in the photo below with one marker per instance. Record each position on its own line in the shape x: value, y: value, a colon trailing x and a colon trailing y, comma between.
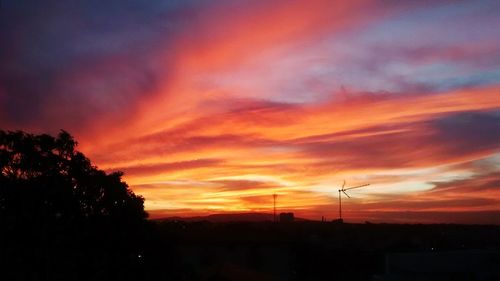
x: 274, y: 206
x: 340, y: 205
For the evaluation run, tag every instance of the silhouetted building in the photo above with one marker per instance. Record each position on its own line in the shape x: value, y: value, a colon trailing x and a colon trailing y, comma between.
x: 286, y: 217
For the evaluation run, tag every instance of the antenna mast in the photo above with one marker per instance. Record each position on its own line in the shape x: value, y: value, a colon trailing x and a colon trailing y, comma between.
x: 343, y: 190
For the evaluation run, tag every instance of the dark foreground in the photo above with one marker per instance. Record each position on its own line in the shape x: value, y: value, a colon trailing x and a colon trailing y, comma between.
x: 255, y: 251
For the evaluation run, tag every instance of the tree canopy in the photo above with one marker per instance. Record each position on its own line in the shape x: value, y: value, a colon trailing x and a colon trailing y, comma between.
x: 44, y: 178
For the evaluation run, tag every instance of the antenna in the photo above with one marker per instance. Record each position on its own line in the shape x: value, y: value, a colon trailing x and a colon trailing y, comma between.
x: 274, y: 206
x: 343, y: 190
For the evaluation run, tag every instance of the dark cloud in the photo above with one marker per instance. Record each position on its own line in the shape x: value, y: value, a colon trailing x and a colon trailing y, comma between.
x: 443, y: 139
x: 469, y: 131
x: 380, y: 129
x: 440, y: 140
x: 167, y: 143
x: 66, y: 63
x: 489, y: 182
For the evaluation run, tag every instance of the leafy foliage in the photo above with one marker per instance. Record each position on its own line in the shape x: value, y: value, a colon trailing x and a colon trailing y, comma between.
x: 44, y: 179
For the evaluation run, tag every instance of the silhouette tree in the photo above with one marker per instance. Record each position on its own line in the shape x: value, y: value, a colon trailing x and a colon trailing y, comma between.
x: 61, y: 218
x: 44, y: 179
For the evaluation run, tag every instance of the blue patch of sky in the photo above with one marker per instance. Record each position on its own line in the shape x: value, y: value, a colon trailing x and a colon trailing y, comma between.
x: 378, y: 57
x: 450, y: 23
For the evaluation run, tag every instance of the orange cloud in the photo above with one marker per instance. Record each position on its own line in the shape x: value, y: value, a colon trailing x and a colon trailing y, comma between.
x: 218, y: 136
x: 233, y: 161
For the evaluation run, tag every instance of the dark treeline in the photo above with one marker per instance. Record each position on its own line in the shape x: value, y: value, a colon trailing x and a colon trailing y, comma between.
x: 61, y: 218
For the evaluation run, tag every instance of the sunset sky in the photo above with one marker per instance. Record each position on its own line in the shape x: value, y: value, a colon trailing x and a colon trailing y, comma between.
x: 213, y: 106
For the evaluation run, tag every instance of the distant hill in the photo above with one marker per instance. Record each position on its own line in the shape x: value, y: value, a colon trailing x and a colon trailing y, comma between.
x: 238, y: 217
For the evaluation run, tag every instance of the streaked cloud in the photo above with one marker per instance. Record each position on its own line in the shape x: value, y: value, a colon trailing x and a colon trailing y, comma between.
x: 214, y: 106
